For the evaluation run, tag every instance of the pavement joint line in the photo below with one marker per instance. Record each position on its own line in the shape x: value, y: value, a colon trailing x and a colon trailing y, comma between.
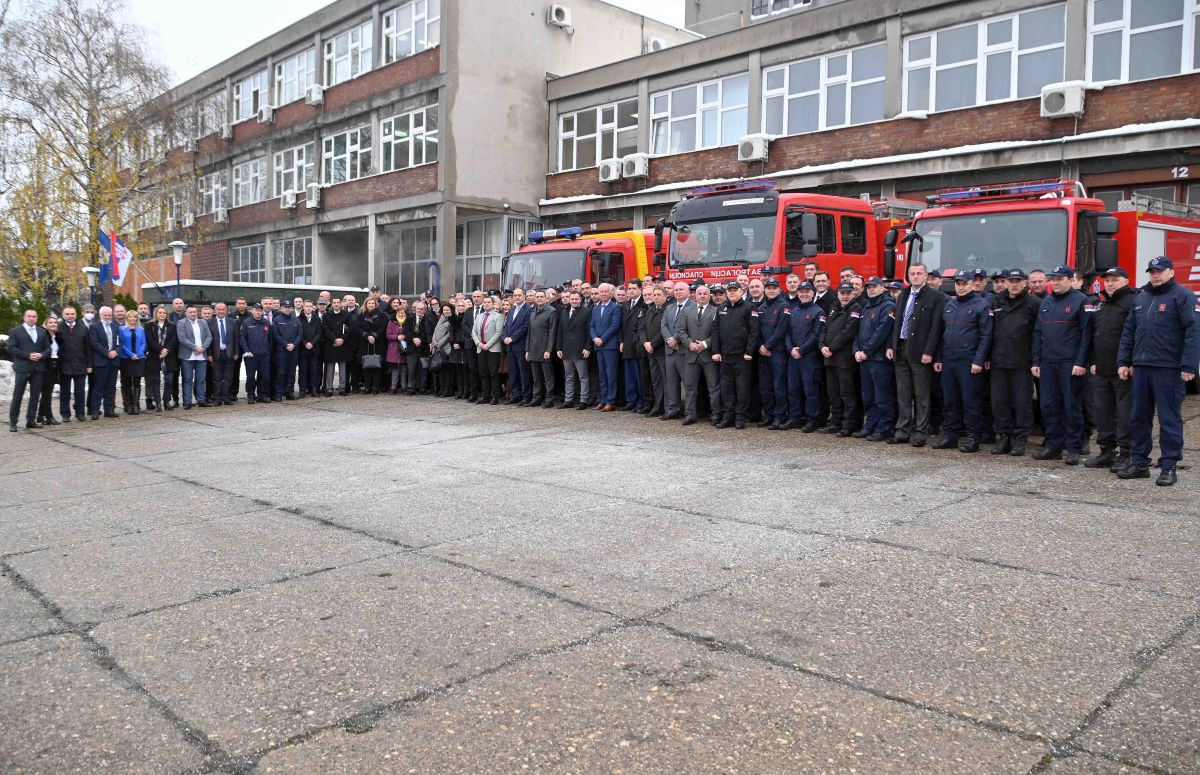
x: 42, y: 634
x: 89, y: 492
x: 1075, y: 748
x: 1145, y: 659
x: 107, y: 662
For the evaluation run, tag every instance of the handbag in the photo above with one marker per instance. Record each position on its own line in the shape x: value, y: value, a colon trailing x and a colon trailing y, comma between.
x: 437, y: 361
x: 371, y: 360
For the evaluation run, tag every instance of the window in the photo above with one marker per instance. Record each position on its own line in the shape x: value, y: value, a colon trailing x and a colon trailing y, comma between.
x: 294, y: 169
x: 346, y: 156
x: 1132, y: 40
x: 762, y: 8
x: 409, y: 139
x: 249, y: 94
x: 411, y: 28
x: 348, y: 55
x: 1193, y: 194
x: 210, y: 114
x: 292, y: 262
x: 793, y: 243
x: 479, y: 245
x: 250, y: 182
x: 588, y: 137
x: 410, y: 251
x: 854, y: 235
x: 248, y: 264
x: 293, y: 76
x: 1111, y: 199
x: 212, y: 192
x: 704, y: 115
x: 825, y: 92
x: 1002, y: 58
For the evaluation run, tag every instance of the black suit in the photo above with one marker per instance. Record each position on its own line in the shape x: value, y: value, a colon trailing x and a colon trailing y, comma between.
x: 424, y: 332
x: 917, y: 334
x: 224, y: 361
x: 72, y: 368
x: 100, y: 335
x: 573, y: 340
x: 650, y: 332
x: 27, y: 373
x: 158, y: 366
x: 468, y: 325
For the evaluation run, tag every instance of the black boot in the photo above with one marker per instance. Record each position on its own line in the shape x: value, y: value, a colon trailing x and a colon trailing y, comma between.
x: 1003, y: 445
x: 1124, y: 458
x: 1018, y: 447
x: 1104, y: 459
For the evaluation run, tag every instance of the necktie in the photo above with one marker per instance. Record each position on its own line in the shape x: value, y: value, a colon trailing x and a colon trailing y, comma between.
x: 108, y: 335
x: 221, y: 325
x: 483, y: 329
x: 702, y: 308
x: 571, y: 313
x: 908, y: 311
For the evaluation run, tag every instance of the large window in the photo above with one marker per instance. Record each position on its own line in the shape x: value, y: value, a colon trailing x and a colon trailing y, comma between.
x: 1027, y: 240
x: 346, y: 156
x: 410, y: 250
x: 250, y: 182
x: 705, y: 115
x: 249, y: 94
x: 411, y: 28
x: 825, y: 92
x: 1132, y: 40
x: 409, y: 139
x: 1001, y: 58
x: 761, y: 8
x: 247, y: 264
x: 292, y: 261
x: 729, y: 241
x: 479, y: 246
x: 348, y: 55
x: 294, y: 169
x: 212, y: 192
x: 588, y: 137
x: 293, y: 75
x: 210, y: 114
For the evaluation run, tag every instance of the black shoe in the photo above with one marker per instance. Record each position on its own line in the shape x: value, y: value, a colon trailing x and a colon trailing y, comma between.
x: 764, y: 423
x: 845, y: 434
x: 582, y: 407
x: 877, y: 436
x: 1003, y: 445
x: 68, y: 419
x: 945, y: 442
x: 810, y: 427
x: 1018, y: 448
x: 725, y: 424
x: 187, y: 406
x: 1166, y: 478
x: 830, y: 429
x: 689, y: 421
x: 111, y: 415
x: 494, y: 402
x: 35, y: 424
x: 1071, y: 458
x: 52, y: 421
x: 918, y: 441
x: 969, y: 445
x: 94, y: 417
x: 1124, y: 458
x: 861, y: 433
x: 1104, y: 459
x: 1134, y: 471
x: 251, y: 401
x: 671, y: 416
x: 898, y: 439
x: 741, y: 426
x: 12, y: 427
x: 1045, y: 453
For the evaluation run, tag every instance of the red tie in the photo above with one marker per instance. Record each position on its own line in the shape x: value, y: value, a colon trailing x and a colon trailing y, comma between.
x: 483, y: 330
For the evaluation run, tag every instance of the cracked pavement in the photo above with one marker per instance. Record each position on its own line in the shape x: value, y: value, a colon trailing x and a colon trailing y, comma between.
x: 379, y: 584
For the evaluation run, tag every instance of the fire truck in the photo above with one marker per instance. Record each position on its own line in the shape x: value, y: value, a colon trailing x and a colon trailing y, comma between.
x: 557, y: 256
x: 750, y: 227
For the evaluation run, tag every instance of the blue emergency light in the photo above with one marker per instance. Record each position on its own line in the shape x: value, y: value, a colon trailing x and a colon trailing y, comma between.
x: 740, y: 186
x: 572, y: 232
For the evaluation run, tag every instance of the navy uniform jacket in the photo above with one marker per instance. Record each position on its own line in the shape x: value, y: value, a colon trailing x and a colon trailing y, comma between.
x: 804, y: 326
x: 1161, y: 329
x: 254, y: 336
x: 876, y: 326
x: 772, y: 323
x: 967, y: 329
x: 1063, y: 333
x: 841, y: 328
x: 286, y: 330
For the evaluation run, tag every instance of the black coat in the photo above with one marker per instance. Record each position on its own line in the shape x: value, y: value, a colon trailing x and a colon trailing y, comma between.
x: 841, y: 329
x: 543, y: 333
x: 310, y: 332
x: 373, y: 323
x: 1012, y: 330
x: 339, y: 325
x: 72, y: 349
x: 155, y: 344
x: 233, y: 347
x: 631, y: 322
x: 573, y: 336
x: 424, y: 332
x: 735, y: 330
x: 651, y: 330
x: 925, y: 327
x: 1108, y: 323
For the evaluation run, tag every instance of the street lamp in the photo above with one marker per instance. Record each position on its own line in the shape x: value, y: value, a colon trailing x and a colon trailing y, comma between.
x: 92, y: 275
x: 177, y: 247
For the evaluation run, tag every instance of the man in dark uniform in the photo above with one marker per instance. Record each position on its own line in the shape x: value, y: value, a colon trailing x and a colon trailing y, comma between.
x: 875, y: 330
x: 1110, y: 393
x: 802, y: 343
x: 1062, y: 341
x: 1014, y: 315
x: 736, y: 332
x: 1160, y: 348
x: 288, y: 336
x: 256, y: 342
x: 966, y: 342
x: 652, y: 343
x: 772, y: 363
x: 837, y: 346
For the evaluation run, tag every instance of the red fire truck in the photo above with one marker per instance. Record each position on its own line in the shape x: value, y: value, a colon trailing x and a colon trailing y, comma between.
x: 750, y: 227
x: 557, y: 256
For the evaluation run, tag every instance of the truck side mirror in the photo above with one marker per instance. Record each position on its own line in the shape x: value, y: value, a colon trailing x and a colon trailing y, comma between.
x: 1106, y: 253
x: 889, y: 263
x: 808, y: 228
x: 889, y: 239
x: 658, y: 237
x: 1107, y: 225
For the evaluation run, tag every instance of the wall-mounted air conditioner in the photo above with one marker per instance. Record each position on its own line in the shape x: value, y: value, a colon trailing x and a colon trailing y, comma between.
x: 610, y: 170
x: 636, y: 165
x: 1060, y: 100
x: 754, y: 147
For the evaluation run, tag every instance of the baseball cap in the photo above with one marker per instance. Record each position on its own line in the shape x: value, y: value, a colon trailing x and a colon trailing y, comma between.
x: 935, y: 273
x: 963, y: 276
x: 322, y: 302
x: 998, y: 274
x: 875, y: 281
x: 805, y: 286
x: 1015, y: 274
x: 256, y: 305
x: 1161, y: 262
x: 895, y: 285
x: 1117, y: 271
x: 978, y: 273
x: 1066, y: 271
x: 771, y: 281
x: 717, y: 288
x: 847, y: 287
x: 374, y: 288
x: 285, y: 303
x: 734, y: 286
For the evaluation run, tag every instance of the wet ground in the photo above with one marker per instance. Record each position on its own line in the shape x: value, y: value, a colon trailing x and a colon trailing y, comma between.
x: 416, y: 585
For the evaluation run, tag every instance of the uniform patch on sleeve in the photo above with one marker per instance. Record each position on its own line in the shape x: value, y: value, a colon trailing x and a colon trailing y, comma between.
x: 1089, y: 307
x: 858, y: 315
x: 892, y: 314
x: 787, y: 310
x: 1162, y: 307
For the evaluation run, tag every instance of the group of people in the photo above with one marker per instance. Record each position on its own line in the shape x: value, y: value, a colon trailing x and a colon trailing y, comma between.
x: 870, y: 359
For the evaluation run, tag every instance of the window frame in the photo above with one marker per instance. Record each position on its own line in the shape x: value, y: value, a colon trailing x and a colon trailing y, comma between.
x: 792, y: 5
x: 354, y: 155
x: 354, y: 51
x: 302, y: 172
x: 243, y: 253
x: 667, y: 118
x: 286, y: 274
x: 249, y: 176
x: 613, y: 128
x: 302, y: 76
x: 212, y: 192
x: 1189, y: 49
x: 253, y: 100
x: 211, y: 112
x: 423, y: 12
x: 389, y: 145
x: 825, y: 81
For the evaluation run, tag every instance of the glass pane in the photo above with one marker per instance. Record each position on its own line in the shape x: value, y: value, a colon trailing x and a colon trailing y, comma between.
x: 955, y: 88
x: 495, y: 236
x: 709, y: 94
x: 804, y: 77
x: 627, y: 114
x: 683, y: 102
x: 803, y: 114
x: 431, y: 148
x: 1038, y: 69
x: 1193, y: 191
x: 918, y: 49
x: 475, y: 238
x: 585, y: 152
x: 999, y: 32
x: 1196, y: 45
x: 999, y: 76
x: 1043, y: 27
x: 836, y: 66
x: 660, y: 103
x: 868, y: 62
x: 586, y: 122
x: 626, y: 142
x: 733, y: 125
x: 568, y: 123
x: 1154, y: 54
x: 918, y: 89
x: 659, y: 136
x: 608, y: 115
x: 683, y: 135
x: 866, y: 103
x: 566, y: 154
x: 1166, y: 193
x: 709, y: 131
x: 1106, y: 56
x: 958, y: 45
x: 835, y: 105
x: 735, y: 91
x: 1105, y: 11
x: 773, y: 123
x: 607, y: 141
x: 1145, y: 13
x: 774, y: 79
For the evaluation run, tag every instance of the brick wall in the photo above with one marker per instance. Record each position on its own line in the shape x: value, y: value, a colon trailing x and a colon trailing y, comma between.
x: 417, y: 180
x: 210, y: 261
x: 1159, y: 100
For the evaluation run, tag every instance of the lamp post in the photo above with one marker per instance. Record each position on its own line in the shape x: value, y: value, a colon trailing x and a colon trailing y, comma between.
x: 92, y: 275
x: 177, y: 247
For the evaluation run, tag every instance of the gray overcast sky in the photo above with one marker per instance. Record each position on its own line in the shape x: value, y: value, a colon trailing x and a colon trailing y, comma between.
x: 191, y: 37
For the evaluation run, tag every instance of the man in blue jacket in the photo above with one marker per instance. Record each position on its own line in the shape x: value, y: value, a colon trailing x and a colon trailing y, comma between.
x: 287, y: 336
x: 254, y: 336
x: 804, y: 326
x: 516, y: 331
x: 966, y: 343
x: 870, y: 350
x: 605, y: 331
x: 1062, y: 341
x: 104, y: 345
x: 1160, y: 348
x: 771, y: 314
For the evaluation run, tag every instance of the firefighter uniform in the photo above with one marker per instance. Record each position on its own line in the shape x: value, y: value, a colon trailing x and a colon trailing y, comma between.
x: 254, y: 336
x: 735, y: 337
x: 1062, y: 340
x: 1011, y: 381
x: 878, y: 376
x: 772, y: 369
x: 804, y: 364
x: 966, y: 342
x: 841, y: 328
x: 1110, y: 393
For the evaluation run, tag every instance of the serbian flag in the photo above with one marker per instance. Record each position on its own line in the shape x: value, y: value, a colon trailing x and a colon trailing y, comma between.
x: 119, y: 258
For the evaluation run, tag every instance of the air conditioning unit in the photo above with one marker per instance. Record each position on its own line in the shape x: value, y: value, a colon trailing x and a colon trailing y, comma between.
x: 753, y: 147
x: 266, y: 115
x: 558, y: 15
x: 1060, y: 100
x: 227, y: 131
x: 636, y: 165
x: 610, y: 170
x: 314, y: 94
x: 313, y: 198
x: 191, y: 146
x: 652, y: 44
x: 287, y: 200
x: 221, y: 215
x: 189, y: 220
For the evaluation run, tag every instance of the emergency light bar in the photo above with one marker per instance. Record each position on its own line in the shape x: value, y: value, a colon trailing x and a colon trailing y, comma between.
x: 741, y: 186
x: 1024, y: 190
x: 572, y: 232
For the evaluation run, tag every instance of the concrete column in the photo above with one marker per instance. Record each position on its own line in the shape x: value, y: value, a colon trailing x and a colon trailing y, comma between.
x: 552, y: 140
x: 754, y: 99
x: 375, y: 269
x: 638, y: 217
x: 1076, y: 54
x: 376, y: 37
x: 269, y: 254
x: 447, y: 220
x: 318, y: 267
x: 887, y: 188
x: 893, y: 84
x: 644, y: 124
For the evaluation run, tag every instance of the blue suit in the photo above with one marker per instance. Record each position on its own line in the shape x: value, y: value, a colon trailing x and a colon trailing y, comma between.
x: 104, y: 369
x: 606, y: 326
x: 284, y: 331
x: 516, y: 327
x: 877, y: 375
x: 966, y: 342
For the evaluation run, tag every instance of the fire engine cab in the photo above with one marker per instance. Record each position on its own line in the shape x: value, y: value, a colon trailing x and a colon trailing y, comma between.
x: 558, y: 256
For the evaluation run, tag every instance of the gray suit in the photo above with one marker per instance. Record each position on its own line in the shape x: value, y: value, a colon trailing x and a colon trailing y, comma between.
x: 194, y: 371
x: 675, y: 358
x: 694, y: 326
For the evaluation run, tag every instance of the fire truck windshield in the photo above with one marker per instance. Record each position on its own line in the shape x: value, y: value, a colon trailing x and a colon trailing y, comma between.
x: 1021, y: 239
x: 543, y: 268
x: 741, y: 241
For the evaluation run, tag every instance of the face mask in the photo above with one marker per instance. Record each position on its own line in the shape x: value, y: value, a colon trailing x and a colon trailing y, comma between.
x: 89, y: 316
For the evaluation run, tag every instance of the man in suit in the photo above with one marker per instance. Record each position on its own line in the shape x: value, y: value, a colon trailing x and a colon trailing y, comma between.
x: 650, y: 337
x: 674, y: 363
x: 575, y: 349
x: 225, y: 354
x: 914, y: 345
x: 632, y: 354
x: 195, y: 340
x: 606, y: 338
x: 468, y: 323
x: 696, y: 330
x: 72, y: 365
x: 542, y: 342
x: 104, y: 343
x: 420, y: 334
x: 516, y: 332
x: 29, y: 346
x: 486, y: 333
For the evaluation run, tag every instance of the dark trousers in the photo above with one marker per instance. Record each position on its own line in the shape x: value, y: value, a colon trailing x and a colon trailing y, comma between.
x: 1111, y: 404
x: 471, y: 360
x: 126, y: 391
x: 634, y: 396
x: 1062, y: 407
x: 804, y: 397
x: 416, y: 372
x: 49, y: 380
x: 520, y: 378
x: 735, y: 389
x: 543, y: 381
x: 962, y: 407
x: 879, y: 397
x: 488, y: 368
x: 658, y: 372
x: 914, y: 395
x: 844, y: 411
x: 104, y: 389
x: 258, y: 376
x: 310, y: 371
x: 674, y: 369
x: 71, y: 387
x: 772, y: 387
x: 31, y: 380
x: 193, y: 381
x: 1156, y: 390
x: 223, y: 369
x: 1012, y: 402
x: 284, y: 362
x: 691, y: 378
x: 593, y: 395
x: 131, y: 379
x: 608, y: 360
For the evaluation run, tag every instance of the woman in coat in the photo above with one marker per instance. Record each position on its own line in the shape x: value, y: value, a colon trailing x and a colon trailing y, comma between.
x: 372, y: 327
x: 51, y: 378
x: 337, y: 332
x: 133, y: 358
x: 486, y: 333
x: 162, y: 359
x: 443, y: 342
x: 397, y: 349
x: 463, y: 347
